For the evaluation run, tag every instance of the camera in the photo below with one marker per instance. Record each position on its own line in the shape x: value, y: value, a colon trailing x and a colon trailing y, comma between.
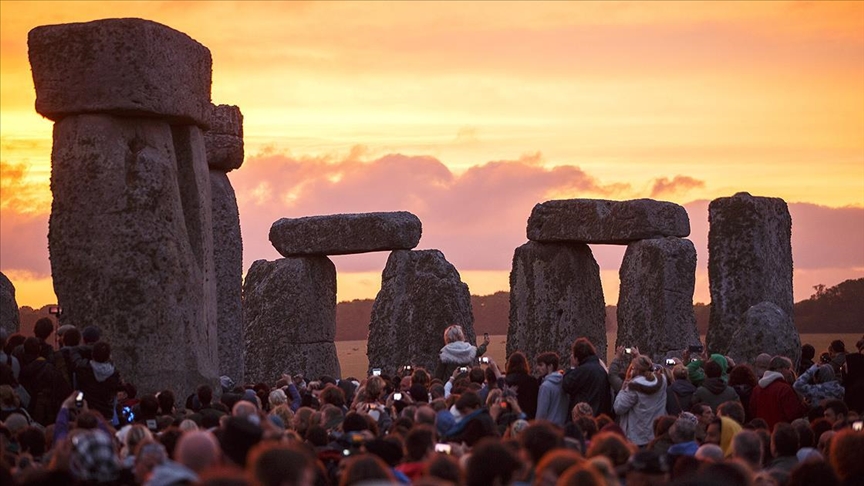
x: 54, y: 310
x: 445, y: 448
x: 407, y: 368
x: 670, y: 362
x: 376, y: 371
x: 628, y: 350
x: 504, y: 405
x: 463, y: 369
x: 397, y: 396
x: 484, y: 360
x: 79, y: 400
x: 858, y: 425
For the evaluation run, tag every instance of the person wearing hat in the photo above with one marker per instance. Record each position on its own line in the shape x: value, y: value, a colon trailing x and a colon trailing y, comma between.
x: 818, y: 384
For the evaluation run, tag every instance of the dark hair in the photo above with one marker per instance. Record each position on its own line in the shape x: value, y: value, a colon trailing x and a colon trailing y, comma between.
x: 166, y: 401
x: 587, y: 425
x: 419, y: 441
x: 549, y: 358
x: 748, y: 446
x: 839, y: 407
x: 582, y: 348
x: 813, y: 472
x: 469, y: 400
x: 354, y: 422
x: 743, y: 374
x: 279, y: 463
x: 734, y: 410
x: 518, y: 363
x: 365, y: 467
x: 837, y: 346
x: 785, y: 439
x: 149, y: 406
x: 445, y: 467
x: 205, y: 395
x: 808, y: 351
x: 491, y: 462
x: 31, y: 346
x: 541, y: 437
x: 101, y: 352
x: 72, y: 337
x: 43, y: 328
x: 32, y: 440
x: 477, y: 375
x: 713, y: 369
x: 333, y: 395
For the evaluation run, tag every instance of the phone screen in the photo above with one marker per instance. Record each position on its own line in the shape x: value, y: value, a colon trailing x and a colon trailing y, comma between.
x: 445, y: 448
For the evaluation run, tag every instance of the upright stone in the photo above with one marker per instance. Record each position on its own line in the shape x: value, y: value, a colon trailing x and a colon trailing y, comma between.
x: 555, y: 297
x: 765, y: 328
x: 125, y: 67
x: 130, y: 234
x: 131, y: 245
x: 290, y: 318
x: 607, y: 222
x: 9, y: 319
x: 421, y: 295
x: 224, y: 144
x: 655, y: 304
x: 342, y: 234
x: 749, y: 261
x: 228, y: 262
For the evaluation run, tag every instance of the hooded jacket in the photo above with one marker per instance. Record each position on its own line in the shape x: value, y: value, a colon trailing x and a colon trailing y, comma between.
x: 816, y: 393
x: 679, y: 396
x: 774, y: 400
x: 100, y: 383
x: 728, y: 430
x: 454, y: 355
x: 713, y: 392
x: 638, y: 403
x: 552, y: 401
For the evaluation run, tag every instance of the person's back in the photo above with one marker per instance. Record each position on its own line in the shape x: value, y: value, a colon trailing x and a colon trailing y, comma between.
x: 98, y: 379
x: 773, y: 399
x: 679, y: 393
x: 641, y: 400
x: 46, y: 386
x: 552, y: 402
x: 714, y: 391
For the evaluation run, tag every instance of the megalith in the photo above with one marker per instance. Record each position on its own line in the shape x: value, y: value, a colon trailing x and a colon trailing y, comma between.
x: 289, y: 311
x: 765, y: 328
x: 607, y: 222
x: 130, y: 234
x: 555, y: 297
x: 421, y: 295
x: 342, y: 234
x: 9, y: 319
x: 655, y: 303
x: 749, y: 261
x: 224, y: 145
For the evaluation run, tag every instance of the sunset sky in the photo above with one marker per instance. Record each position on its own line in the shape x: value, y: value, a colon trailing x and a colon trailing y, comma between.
x: 468, y: 114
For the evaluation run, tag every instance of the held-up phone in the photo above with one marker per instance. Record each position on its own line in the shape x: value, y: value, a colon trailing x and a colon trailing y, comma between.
x: 397, y: 396
x: 407, y: 368
x: 484, y: 360
x: 79, y: 400
x: 54, y: 310
x: 463, y: 369
x: 858, y: 425
x: 504, y: 405
x: 696, y: 349
x: 628, y: 350
x: 670, y: 362
x: 376, y: 371
x: 444, y: 448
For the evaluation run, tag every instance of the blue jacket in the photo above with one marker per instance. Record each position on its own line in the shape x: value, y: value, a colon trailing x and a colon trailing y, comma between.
x: 552, y: 402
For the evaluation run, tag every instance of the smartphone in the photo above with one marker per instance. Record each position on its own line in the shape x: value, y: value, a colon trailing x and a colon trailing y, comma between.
x: 670, y: 362
x: 696, y: 349
x: 693, y: 360
x: 444, y: 448
x: 463, y: 369
x: 486, y: 336
x: 79, y: 400
x: 376, y: 371
x: 407, y: 368
x: 54, y: 310
x: 397, y: 396
x: 504, y: 405
x: 858, y: 425
x: 484, y: 360
x: 628, y: 350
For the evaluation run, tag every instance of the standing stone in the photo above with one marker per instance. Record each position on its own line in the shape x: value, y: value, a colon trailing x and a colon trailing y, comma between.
x: 224, y: 140
x: 421, y: 295
x: 290, y: 318
x: 125, y: 67
x: 342, y: 234
x: 607, y: 222
x: 749, y: 261
x: 555, y: 297
x: 228, y: 263
x: 9, y: 319
x: 765, y: 329
x: 131, y: 245
x: 655, y: 304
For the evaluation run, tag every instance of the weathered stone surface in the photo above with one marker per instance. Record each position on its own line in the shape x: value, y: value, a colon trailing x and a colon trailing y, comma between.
x: 224, y: 140
x: 555, y: 297
x: 289, y: 312
x: 342, y: 234
x: 228, y: 262
x: 131, y: 245
x: 421, y: 295
x: 609, y: 222
x: 128, y: 67
x: 765, y: 328
x: 9, y: 319
x: 655, y: 302
x: 749, y: 261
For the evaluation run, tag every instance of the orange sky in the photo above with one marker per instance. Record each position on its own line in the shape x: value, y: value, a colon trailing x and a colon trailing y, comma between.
x: 682, y: 101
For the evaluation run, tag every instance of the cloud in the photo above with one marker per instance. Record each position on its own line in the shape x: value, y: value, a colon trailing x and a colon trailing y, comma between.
x: 679, y: 184
x: 20, y: 193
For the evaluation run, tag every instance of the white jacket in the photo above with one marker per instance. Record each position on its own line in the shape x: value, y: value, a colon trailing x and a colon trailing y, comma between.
x: 637, y: 405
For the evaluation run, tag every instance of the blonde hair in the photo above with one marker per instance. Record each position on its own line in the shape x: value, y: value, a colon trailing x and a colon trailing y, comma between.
x: 453, y: 333
x: 641, y: 365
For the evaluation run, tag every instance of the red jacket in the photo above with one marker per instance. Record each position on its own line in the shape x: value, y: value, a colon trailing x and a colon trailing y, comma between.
x: 775, y: 401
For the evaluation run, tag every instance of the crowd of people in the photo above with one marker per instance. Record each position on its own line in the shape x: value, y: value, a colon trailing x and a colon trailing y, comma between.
x: 68, y: 417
